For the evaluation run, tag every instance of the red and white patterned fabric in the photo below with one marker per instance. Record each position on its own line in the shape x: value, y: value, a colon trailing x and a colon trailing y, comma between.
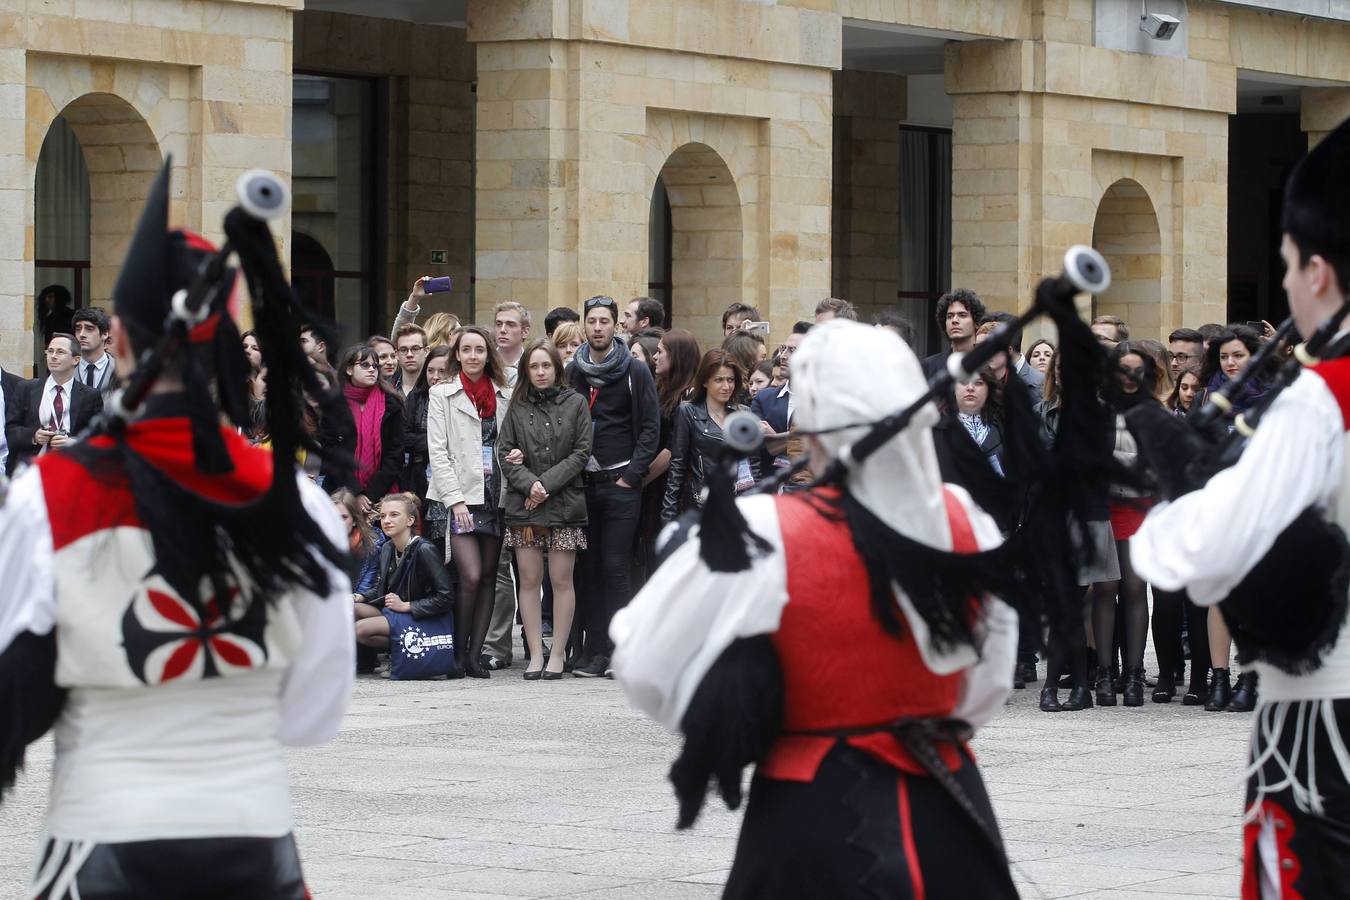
x: 178, y: 705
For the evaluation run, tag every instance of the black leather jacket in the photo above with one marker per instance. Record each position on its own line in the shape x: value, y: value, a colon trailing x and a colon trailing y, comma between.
x: 697, y: 443
x: 426, y: 584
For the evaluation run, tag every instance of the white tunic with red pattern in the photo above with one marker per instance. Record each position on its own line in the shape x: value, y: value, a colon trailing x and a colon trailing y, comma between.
x: 176, y: 714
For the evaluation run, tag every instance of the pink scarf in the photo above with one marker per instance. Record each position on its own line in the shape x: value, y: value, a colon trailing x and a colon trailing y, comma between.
x: 368, y: 421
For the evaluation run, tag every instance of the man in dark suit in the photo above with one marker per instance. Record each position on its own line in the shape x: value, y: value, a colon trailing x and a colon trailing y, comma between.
x: 96, y: 368
x: 1017, y: 364
x: 773, y: 405
x: 46, y: 413
x: 9, y: 389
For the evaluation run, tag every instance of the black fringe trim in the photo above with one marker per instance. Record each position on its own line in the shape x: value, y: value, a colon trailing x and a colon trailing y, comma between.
x: 30, y: 701
x: 1290, y: 608
x: 732, y: 720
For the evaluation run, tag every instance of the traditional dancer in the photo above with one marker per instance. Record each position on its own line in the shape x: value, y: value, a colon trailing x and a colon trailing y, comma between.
x: 1265, y: 540
x: 850, y: 657
x: 173, y: 600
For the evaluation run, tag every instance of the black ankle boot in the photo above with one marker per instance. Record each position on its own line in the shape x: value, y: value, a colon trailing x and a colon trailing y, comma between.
x: 1244, y: 694
x: 1079, y: 698
x: 1133, y: 692
x: 1166, y: 688
x: 1220, y: 692
x: 1106, y: 688
x: 1050, y: 699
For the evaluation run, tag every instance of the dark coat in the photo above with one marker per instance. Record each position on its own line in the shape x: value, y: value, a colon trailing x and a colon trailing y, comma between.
x: 427, y: 586
x: 646, y: 417
x: 963, y: 462
x: 697, y: 444
x: 339, y: 432
x: 9, y: 388
x: 415, y: 444
x: 21, y: 416
x: 555, y: 436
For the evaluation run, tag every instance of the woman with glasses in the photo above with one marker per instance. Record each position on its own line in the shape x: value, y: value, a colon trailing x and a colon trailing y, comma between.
x: 377, y: 413
x: 466, y: 477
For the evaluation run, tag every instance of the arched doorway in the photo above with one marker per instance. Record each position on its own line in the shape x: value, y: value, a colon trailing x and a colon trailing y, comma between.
x: 1126, y: 233
x: 60, y: 233
x: 704, y: 243
x: 97, y: 163
x: 312, y: 273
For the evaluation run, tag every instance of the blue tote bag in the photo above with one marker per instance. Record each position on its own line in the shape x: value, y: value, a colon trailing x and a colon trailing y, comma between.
x: 419, y: 648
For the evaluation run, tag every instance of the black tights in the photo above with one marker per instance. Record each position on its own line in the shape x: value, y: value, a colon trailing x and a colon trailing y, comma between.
x: 1169, y: 608
x: 1133, y: 594
x: 474, y: 555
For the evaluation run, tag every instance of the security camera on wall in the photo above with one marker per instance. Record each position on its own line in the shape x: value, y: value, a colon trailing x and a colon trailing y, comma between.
x: 1159, y: 26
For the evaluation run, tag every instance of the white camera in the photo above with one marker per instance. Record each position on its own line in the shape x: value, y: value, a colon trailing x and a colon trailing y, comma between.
x: 1159, y: 26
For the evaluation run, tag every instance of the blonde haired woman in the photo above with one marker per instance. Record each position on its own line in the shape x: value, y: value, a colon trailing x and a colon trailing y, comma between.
x: 466, y: 477
x: 440, y: 329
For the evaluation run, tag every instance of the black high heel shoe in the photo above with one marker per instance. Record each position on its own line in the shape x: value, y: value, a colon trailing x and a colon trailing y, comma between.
x: 1244, y: 694
x: 1166, y: 689
x: 532, y: 676
x: 1198, y: 690
x: 1050, y: 699
x: 1220, y: 692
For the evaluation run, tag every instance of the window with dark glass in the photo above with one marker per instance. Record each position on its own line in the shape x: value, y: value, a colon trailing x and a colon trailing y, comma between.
x: 925, y: 228
x: 659, y: 250
x: 333, y: 170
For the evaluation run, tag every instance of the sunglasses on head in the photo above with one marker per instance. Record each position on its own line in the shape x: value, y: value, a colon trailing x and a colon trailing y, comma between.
x: 606, y: 302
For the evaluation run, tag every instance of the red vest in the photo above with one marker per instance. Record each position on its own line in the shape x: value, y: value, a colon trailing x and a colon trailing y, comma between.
x: 840, y: 668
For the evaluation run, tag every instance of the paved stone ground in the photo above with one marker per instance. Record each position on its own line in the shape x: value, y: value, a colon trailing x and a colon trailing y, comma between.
x: 507, y: 788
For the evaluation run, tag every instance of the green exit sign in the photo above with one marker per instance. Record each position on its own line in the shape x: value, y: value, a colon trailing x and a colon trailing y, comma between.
x: 439, y: 257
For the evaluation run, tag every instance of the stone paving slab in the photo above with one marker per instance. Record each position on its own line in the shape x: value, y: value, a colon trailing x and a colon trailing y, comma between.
x: 506, y: 789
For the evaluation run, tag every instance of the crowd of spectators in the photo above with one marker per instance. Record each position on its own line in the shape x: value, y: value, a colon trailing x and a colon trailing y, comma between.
x: 522, y: 477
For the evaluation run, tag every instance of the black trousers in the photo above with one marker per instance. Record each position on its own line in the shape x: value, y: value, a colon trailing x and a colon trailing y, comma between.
x: 862, y: 829
x: 1292, y: 739
x: 613, y: 515
x: 193, y: 869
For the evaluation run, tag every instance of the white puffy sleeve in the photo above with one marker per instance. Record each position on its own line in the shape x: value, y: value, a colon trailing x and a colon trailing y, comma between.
x: 318, y: 685
x: 28, y: 600
x: 1208, y: 540
x: 677, y: 626
x: 988, y: 678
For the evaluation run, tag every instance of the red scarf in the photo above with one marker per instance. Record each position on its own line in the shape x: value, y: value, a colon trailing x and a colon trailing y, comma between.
x: 483, y: 393
x: 369, y: 446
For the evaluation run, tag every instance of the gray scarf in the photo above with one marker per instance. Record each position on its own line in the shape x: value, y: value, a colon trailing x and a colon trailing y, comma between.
x: 609, y: 370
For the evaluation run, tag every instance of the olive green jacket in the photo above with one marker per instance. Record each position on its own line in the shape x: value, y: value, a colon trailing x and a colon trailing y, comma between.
x: 555, y: 436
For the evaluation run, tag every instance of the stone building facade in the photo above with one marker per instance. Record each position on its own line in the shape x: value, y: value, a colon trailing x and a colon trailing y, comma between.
x: 879, y: 150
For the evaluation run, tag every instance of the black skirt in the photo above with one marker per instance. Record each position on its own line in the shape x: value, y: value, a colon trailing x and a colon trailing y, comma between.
x: 865, y: 830
x: 221, y: 868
